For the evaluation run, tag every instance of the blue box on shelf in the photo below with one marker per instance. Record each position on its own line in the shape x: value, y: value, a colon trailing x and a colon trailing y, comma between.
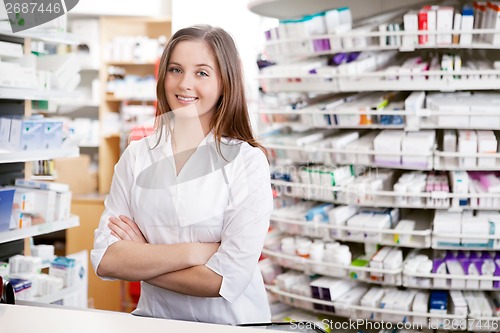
x: 6, y: 200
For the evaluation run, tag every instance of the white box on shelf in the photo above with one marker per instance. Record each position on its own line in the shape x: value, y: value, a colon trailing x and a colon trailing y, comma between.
x: 45, y: 204
x: 472, y: 225
x: 420, y: 304
x: 52, y: 134
x: 418, y: 142
x: 444, y: 22
x: 410, y: 23
x: 457, y: 23
x: 63, y: 206
x: 450, y: 146
x: 413, y: 104
x: 467, y: 24
x: 353, y: 297
x: 484, y: 121
x: 16, y: 76
x: 26, y: 134
x: 4, y: 132
x: 455, y: 268
x: 431, y: 24
x: 357, y: 221
x: 388, y: 141
x: 447, y: 223
x: 10, y: 50
x: 486, y: 144
x: 377, y: 262
x: 338, y: 216
x: 467, y: 144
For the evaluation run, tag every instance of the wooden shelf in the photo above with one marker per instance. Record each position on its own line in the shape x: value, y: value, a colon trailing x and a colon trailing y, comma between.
x: 110, y: 147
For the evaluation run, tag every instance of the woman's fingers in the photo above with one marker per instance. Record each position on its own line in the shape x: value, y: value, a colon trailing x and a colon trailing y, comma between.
x: 126, y: 229
x: 138, y: 236
x: 131, y: 223
x: 119, y: 228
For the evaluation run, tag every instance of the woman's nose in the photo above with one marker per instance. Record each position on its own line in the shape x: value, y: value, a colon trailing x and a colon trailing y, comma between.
x: 186, y: 82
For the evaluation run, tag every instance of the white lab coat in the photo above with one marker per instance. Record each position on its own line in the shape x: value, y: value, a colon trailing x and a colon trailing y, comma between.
x: 204, y: 203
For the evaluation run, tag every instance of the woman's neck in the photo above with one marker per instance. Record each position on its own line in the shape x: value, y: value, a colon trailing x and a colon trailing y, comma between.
x: 188, y: 132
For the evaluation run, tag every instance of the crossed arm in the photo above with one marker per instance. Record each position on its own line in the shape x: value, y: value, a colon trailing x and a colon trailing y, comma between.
x: 176, y: 267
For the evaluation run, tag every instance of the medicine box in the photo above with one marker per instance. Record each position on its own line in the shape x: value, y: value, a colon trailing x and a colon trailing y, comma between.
x: 6, y: 199
x: 26, y: 134
x: 52, y: 134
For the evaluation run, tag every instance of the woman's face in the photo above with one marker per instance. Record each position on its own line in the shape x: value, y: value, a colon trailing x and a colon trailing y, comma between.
x: 193, y: 79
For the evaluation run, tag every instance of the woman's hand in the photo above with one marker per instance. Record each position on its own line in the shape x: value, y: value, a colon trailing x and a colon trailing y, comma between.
x: 125, y: 228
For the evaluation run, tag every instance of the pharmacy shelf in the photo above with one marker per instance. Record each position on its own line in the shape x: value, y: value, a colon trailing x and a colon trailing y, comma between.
x: 349, y: 155
x: 37, y: 155
x: 43, y: 178
x: 44, y: 36
x: 361, y: 127
x: 449, y: 161
x: 313, y: 83
x: 405, y: 78
x: 447, y: 278
x: 288, y: 8
x: 348, y: 272
x: 399, y: 276
x: 418, y: 238
x: 34, y: 94
x: 368, y: 45
x: 437, y: 160
x: 56, y: 296
x: 314, y: 117
x: 388, y: 198
x: 472, y: 242
x: 76, y: 103
x: 315, y: 110
x: 39, y: 229
x: 85, y: 145
x: 354, y: 310
x: 427, y: 195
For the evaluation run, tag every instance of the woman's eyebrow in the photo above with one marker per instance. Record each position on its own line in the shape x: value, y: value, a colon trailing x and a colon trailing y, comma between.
x: 206, y: 65
x: 197, y: 65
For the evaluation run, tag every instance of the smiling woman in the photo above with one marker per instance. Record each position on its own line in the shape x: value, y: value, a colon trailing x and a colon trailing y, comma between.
x: 189, y: 206
x: 193, y: 77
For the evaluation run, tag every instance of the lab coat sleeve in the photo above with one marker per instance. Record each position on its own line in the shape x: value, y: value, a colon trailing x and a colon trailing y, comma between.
x: 116, y: 203
x: 246, y: 222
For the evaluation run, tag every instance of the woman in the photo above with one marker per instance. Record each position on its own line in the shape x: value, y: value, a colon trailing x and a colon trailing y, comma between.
x: 189, y: 206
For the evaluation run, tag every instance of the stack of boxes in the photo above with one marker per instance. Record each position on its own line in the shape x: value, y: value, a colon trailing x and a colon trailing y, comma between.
x: 35, y: 133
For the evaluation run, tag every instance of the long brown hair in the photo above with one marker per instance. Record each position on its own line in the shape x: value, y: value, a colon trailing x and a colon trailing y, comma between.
x: 230, y: 118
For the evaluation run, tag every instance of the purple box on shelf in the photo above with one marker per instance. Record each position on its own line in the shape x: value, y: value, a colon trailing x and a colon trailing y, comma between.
x: 321, y: 45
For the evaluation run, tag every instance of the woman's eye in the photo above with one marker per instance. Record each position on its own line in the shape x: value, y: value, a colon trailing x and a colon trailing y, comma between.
x: 174, y: 70
x: 202, y: 73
